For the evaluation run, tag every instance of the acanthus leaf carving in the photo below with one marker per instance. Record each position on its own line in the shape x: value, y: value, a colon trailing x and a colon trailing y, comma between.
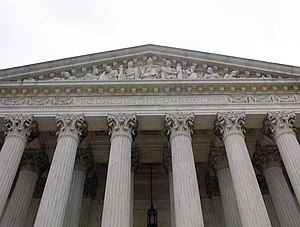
x: 24, y: 126
x: 70, y: 124
x: 217, y: 158
x: 122, y: 124
x: 179, y: 123
x: 266, y: 156
x: 84, y: 160
x: 227, y: 123
x: 34, y: 160
x: 279, y: 122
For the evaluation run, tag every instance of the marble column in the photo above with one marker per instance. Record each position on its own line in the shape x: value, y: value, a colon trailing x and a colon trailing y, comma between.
x: 83, y: 164
x: 71, y: 129
x: 218, y: 162
x: 229, y: 127
x: 89, y: 194
x: 19, y: 131
x: 117, y: 199
x: 268, y: 161
x: 167, y: 164
x: 35, y: 202
x: 188, y: 211
x: 33, y: 163
x: 135, y: 161
x: 280, y: 127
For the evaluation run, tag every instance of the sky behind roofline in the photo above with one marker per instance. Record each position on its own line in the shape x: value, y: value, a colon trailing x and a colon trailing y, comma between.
x: 34, y: 32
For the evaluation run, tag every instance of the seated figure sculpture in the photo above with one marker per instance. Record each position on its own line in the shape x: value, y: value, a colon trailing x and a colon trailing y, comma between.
x: 210, y: 74
x: 191, y: 74
x: 92, y: 76
x: 150, y: 71
x: 109, y: 74
x: 167, y: 72
x: 231, y: 75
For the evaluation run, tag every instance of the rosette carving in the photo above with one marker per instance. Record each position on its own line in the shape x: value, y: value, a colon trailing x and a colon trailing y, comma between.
x: 179, y: 122
x: 278, y: 122
x: 74, y: 125
x: 122, y: 124
x: 34, y: 160
x: 227, y: 123
x: 24, y: 126
x: 265, y: 156
x: 217, y: 158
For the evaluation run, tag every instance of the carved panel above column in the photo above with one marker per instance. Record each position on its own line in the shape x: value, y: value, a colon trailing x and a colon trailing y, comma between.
x: 20, y: 125
x: 34, y: 160
x: 179, y: 123
x: 276, y: 123
x: 266, y: 156
x: 217, y: 158
x: 122, y: 124
x: 73, y: 125
x: 227, y: 123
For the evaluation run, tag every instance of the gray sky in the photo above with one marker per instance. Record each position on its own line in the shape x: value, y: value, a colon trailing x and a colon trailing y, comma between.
x: 38, y: 31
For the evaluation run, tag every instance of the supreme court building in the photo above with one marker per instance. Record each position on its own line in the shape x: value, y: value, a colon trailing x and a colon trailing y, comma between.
x: 98, y: 140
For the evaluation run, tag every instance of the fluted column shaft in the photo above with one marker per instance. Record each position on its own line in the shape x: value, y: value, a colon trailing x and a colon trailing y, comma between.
x: 284, y: 203
x: 253, y: 213
x: 280, y: 127
x: 19, y: 131
x: 289, y: 149
x: 17, y: 208
x: 10, y: 156
x: 117, y: 198
x: 188, y: 211
x: 72, y: 216
x: 55, y: 196
x: 229, y: 203
x: 83, y: 164
x: 217, y: 160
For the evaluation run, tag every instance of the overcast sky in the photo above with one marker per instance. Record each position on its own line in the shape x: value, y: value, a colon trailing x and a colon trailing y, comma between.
x: 38, y: 31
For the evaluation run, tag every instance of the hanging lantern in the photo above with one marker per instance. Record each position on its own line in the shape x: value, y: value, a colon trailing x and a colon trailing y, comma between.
x: 151, y: 213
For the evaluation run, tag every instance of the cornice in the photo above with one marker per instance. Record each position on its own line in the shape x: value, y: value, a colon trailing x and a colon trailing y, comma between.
x: 150, y: 87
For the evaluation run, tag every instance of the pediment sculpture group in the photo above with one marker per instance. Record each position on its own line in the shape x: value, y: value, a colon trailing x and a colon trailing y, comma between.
x: 150, y: 71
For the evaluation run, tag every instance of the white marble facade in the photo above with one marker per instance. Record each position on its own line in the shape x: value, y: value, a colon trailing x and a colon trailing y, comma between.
x: 78, y: 135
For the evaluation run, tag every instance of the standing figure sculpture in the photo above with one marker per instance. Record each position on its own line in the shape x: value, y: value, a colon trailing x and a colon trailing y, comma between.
x: 150, y: 71
x: 130, y: 73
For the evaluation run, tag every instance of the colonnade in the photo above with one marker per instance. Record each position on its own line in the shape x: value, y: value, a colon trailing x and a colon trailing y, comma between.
x: 241, y: 197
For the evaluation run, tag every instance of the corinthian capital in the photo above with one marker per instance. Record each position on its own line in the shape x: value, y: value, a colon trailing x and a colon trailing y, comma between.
x: 179, y: 122
x: 217, y: 158
x: 84, y: 160
x: 73, y: 125
x: 227, y: 123
x: 122, y: 124
x: 266, y: 156
x: 34, y: 160
x: 279, y: 122
x: 24, y: 126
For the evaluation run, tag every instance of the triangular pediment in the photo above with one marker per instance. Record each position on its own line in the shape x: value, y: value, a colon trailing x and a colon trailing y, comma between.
x: 148, y: 62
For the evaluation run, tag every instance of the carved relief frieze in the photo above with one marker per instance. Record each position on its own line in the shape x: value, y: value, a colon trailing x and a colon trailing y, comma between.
x: 148, y: 67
